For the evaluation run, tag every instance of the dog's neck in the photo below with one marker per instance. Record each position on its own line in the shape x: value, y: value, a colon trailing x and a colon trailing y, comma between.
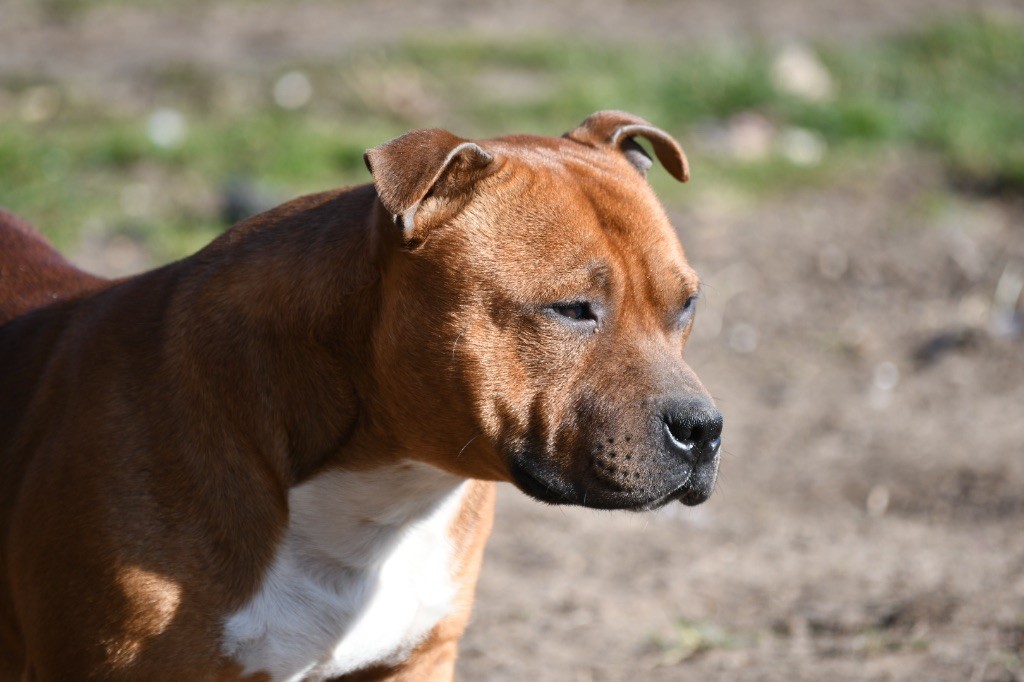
x: 280, y: 308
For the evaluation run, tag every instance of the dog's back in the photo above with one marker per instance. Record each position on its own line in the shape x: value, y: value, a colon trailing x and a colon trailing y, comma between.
x: 32, y: 273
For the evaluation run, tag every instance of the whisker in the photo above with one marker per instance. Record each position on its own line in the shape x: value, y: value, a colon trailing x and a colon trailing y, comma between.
x: 456, y: 344
x: 473, y: 438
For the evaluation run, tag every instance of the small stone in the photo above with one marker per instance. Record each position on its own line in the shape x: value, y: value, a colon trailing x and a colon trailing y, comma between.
x: 886, y: 375
x: 166, y: 128
x: 877, y: 501
x: 797, y: 71
x: 293, y: 90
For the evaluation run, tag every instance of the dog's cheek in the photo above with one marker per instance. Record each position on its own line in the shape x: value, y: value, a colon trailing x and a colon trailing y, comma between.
x: 497, y: 385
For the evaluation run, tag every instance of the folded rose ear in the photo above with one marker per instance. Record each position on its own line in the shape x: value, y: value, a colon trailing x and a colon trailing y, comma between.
x: 407, y: 168
x: 618, y: 128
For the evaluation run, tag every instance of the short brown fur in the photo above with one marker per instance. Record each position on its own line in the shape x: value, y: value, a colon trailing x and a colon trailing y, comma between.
x: 151, y: 427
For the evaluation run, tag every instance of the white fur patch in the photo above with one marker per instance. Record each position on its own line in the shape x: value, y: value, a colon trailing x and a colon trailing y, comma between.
x: 362, y: 576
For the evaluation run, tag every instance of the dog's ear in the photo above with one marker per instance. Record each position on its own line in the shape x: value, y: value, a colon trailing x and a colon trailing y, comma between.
x: 617, y: 129
x: 409, y: 168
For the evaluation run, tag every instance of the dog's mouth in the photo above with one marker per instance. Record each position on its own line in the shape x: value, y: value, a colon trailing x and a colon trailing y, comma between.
x: 549, y: 487
x: 540, y: 484
x: 700, y: 484
x: 699, y: 489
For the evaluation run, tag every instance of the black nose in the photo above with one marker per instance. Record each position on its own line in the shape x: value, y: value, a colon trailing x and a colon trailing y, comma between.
x: 693, y: 429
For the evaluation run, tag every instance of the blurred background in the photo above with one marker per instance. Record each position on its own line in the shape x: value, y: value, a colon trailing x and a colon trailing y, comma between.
x: 856, y: 212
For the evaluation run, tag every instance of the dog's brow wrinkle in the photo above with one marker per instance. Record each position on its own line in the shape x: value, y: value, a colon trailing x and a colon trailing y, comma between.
x: 595, y: 276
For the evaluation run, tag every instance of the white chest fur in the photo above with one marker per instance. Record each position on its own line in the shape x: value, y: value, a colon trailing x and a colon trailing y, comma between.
x: 363, y: 574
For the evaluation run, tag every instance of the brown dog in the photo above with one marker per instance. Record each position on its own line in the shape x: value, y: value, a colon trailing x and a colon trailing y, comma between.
x: 272, y: 460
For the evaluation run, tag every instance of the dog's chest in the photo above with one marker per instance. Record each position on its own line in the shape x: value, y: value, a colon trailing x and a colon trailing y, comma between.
x: 363, y: 575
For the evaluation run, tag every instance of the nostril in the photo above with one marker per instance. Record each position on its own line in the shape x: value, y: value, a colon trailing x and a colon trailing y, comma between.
x: 680, y: 433
x: 701, y: 431
x: 697, y: 434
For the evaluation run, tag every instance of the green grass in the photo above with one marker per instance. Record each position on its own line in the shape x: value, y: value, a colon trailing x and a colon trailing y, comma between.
x: 954, y: 91
x: 690, y: 638
x: 957, y: 89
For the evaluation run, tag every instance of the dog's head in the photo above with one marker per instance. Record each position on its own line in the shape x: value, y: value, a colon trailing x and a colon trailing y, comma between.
x: 536, y: 302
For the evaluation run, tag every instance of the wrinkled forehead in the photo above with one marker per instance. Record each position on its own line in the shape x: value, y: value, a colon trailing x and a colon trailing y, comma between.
x: 558, y: 209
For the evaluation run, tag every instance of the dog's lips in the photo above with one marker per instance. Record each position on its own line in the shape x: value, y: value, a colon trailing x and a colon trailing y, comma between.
x: 692, y: 497
x: 699, y: 485
x: 537, y: 484
x: 546, y: 486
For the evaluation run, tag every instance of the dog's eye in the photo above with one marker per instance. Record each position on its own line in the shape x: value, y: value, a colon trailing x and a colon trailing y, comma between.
x: 576, y: 311
x: 686, y: 313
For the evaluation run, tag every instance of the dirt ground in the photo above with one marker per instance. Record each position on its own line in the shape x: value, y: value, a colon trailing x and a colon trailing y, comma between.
x: 868, y: 523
